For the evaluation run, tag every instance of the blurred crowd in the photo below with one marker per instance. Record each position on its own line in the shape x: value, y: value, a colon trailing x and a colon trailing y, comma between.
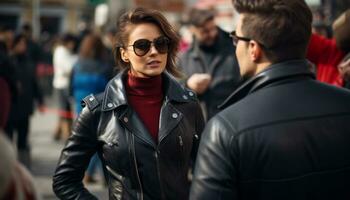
x: 74, y: 66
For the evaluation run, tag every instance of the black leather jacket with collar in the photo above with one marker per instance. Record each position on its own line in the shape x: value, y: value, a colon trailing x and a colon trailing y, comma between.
x: 135, y: 166
x: 283, y: 135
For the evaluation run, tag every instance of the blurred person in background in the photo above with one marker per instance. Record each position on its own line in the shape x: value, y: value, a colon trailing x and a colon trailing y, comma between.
x: 320, y: 28
x: 108, y: 41
x: 145, y: 127
x: 90, y: 75
x: 327, y: 54
x: 63, y: 60
x: 210, y: 65
x: 5, y: 94
x: 7, y: 81
x: 16, y: 183
x: 28, y: 94
x: 283, y: 135
x: 33, y: 48
x: 7, y: 35
x: 320, y: 24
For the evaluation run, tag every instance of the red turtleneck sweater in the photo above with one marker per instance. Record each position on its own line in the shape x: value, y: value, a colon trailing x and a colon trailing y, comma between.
x: 145, y: 95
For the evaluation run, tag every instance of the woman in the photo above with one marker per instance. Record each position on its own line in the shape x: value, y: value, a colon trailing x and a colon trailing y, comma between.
x: 91, y: 72
x: 145, y: 126
x: 63, y: 60
x: 90, y: 76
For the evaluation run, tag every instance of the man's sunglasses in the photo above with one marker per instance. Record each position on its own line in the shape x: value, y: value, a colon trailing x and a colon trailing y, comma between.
x: 142, y: 46
x: 236, y: 38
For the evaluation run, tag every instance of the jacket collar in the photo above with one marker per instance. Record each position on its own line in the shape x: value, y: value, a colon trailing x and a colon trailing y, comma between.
x: 115, y: 94
x: 273, y: 74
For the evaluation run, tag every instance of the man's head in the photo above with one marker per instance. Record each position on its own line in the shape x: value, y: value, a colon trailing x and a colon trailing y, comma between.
x: 27, y: 31
x: 277, y: 31
x: 202, y: 25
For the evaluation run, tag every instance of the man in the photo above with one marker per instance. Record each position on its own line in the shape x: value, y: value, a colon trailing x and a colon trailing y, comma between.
x: 35, y: 52
x: 210, y: 64
x: 283, y: 135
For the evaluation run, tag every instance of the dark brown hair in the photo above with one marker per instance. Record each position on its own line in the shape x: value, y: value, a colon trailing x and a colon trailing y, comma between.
x: 282, y: 27
x: 140, y: 16
x: 92, y: 47
x: 341, y: 31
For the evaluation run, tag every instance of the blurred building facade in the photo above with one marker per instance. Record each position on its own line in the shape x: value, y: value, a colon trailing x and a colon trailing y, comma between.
x: 58, y: 16
x: 51, y: 16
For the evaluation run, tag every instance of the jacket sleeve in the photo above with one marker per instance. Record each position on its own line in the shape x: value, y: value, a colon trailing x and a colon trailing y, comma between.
x: 75, y: 157
x: 215, y: 171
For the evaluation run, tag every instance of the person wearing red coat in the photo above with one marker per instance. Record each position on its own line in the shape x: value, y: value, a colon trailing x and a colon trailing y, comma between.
x: 327, y: 54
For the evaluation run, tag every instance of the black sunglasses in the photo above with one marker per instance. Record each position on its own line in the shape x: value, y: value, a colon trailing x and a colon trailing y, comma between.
x: 142, y: 46
x: 236, y: 38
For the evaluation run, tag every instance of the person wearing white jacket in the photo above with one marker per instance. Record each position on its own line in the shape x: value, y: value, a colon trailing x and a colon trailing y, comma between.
x: 63, y: 61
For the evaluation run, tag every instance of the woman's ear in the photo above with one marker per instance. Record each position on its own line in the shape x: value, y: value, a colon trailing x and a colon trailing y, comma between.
x: 124, y: 55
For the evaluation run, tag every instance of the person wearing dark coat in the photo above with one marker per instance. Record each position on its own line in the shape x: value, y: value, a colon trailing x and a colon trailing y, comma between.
x: 7, y: 85
x: 28, y: 94
x: 145, y: 126
x: 282, y: 134
x: 210, y: 65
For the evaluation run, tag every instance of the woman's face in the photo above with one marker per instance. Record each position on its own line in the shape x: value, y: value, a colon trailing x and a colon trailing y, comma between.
x: 146, y: 50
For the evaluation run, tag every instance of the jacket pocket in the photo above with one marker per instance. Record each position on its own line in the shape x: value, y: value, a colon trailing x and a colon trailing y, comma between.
x: 116, y: 183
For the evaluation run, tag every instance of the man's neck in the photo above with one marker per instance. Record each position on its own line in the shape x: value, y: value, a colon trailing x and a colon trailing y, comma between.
x: 262, y: 66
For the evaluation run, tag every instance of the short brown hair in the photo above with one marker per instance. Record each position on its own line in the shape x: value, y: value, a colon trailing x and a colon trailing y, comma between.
x: 198, y: 17
x: 140, y: 16
x: 282, y: 27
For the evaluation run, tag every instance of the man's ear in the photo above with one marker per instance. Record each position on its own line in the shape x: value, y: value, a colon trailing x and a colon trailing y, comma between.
x: 255, y: 51
x: 124, y: 55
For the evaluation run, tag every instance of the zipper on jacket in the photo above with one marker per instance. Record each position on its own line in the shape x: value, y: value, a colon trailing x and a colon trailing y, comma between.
x: 158, y: 171
x: 137, y: 171
x: 180, y: 141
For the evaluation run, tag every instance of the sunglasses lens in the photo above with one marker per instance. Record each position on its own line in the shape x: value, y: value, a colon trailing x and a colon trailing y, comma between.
x: 141, y: 47
x: 162, y: 44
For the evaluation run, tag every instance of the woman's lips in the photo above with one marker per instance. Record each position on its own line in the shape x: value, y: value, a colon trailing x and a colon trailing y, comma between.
x: 154, y: 64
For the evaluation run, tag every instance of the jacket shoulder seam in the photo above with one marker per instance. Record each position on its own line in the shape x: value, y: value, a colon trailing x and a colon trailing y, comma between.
x: 290, y: 120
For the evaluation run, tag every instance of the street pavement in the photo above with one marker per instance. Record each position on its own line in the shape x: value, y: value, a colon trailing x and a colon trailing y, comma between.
x: 45, y: 152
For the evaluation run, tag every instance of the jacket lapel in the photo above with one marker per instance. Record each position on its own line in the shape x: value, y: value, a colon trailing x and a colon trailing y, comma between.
x: 170, y: 117
x: 115, y: 99
x: 132, y: 122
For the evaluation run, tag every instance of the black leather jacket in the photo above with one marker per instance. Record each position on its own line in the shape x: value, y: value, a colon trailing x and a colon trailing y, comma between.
x: 136, y: 167
x: 286, y: 136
